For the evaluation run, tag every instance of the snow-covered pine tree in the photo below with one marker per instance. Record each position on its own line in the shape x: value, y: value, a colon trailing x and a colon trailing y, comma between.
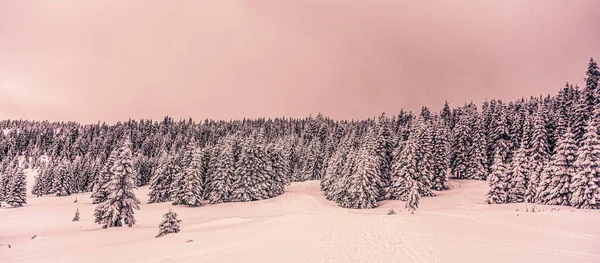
x: 364, y: 184
x: 477, y: 162
x: 579, y: 119
x: 100, y: 191
x: 118, y: 208
x: 385, y: 148
x: 344, y: 162
x: 218, y: 188
x: 412, y: 194
x: 339, y: 189
x: 191, y: 185
x: 38, y: 187
x: 313, y: 162
x: 16, y: 194
x: 497, y: 182
x: 169, y: 225
x: 554, y: 186
x: 63, y: 179
x: 585, y: 184
x: 279, y: 169
x: 404, y: 169
x: 334, y: 168
x: 538, y: 152
x: 162, y: 179
x: 461, y: 147
x: 441, y: 157
x: 517, y: 176
x: 76, y: 217
x: 251, y: 179
x: 424, y: 149
x: 499, y: 135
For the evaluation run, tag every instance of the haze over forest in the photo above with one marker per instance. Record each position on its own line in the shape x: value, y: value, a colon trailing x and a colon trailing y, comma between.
x: 115, y: 60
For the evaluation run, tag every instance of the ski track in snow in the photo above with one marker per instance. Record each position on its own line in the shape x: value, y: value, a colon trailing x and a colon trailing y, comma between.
x: 302, y: 226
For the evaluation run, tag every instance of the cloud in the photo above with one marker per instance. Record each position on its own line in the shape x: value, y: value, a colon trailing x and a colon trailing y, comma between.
x: 112, y: 60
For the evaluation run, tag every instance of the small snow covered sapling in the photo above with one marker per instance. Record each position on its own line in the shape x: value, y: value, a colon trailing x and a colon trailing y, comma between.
x: 169, y: 225
x: 75, y: 200
x: 76, y: 217
x: 391, y: 212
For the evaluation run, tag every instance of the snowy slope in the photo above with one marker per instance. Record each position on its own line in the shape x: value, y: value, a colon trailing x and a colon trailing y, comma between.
x: 301, y: 226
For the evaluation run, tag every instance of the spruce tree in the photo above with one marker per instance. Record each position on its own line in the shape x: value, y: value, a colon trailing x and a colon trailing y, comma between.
x: 554, y: 187
x: 313, y: 162
x: 412, y: 194
x: 404, y: 170
x: 62, y: 184
x: 117, y: 210
x: 162, y: 179
x: 279, y: 169
x: 364, y: 184
x: 477, y: 162
x: 190, y: 186
x: 219, y: 184
x: 585, y: 185
x: 461, y: 148
x: 517, y: 176
x: 497, y: 182
x: 103, y: 180
x: 169, y: 225
x: 424, y: 176
x: 384, y: 148
x: 252, y: 175
x: 440, y: 154
x: 16, y: 194
x: 538, y: 152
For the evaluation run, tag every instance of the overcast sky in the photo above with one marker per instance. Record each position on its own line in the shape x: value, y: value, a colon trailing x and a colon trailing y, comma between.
x: 113, y: 60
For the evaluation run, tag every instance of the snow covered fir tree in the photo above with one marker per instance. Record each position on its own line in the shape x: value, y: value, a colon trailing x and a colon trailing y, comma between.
x: 117, y: 209
x: 169, y: 225
x: 542, y: 149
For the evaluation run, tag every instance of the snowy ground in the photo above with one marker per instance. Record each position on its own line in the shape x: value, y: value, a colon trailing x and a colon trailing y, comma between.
x: 301, y: 226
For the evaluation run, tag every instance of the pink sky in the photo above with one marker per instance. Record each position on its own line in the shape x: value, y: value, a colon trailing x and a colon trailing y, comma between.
x: 112, y: 60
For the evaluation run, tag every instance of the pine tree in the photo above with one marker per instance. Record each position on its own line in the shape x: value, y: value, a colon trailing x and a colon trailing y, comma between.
x: 404, y: 170
x: 517, y: 176
x: 313, y: 162
x: 219, y: 184
x: 17, y: 188
x: 190, y: 184
x: 252, y: 176
x: 363, y: 189
x: 384, y: 148
x: 412, y: 193
x: 279, y: 170
x: 103, y: 180
x: 62, y: 184
x: 554, y: 187
x: 585, y: 185
x: 538, y: 153
x: 441, y: 151
x: 497, y: 182
x: 461, y: 147
x: 334, y: 169
x: 76, y: 217
x: 163, y: 178
x: 477, y: 163
x: 118, y: 208
x: 424, y: 150
x: 169, y: 225
x: 38, y: 187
